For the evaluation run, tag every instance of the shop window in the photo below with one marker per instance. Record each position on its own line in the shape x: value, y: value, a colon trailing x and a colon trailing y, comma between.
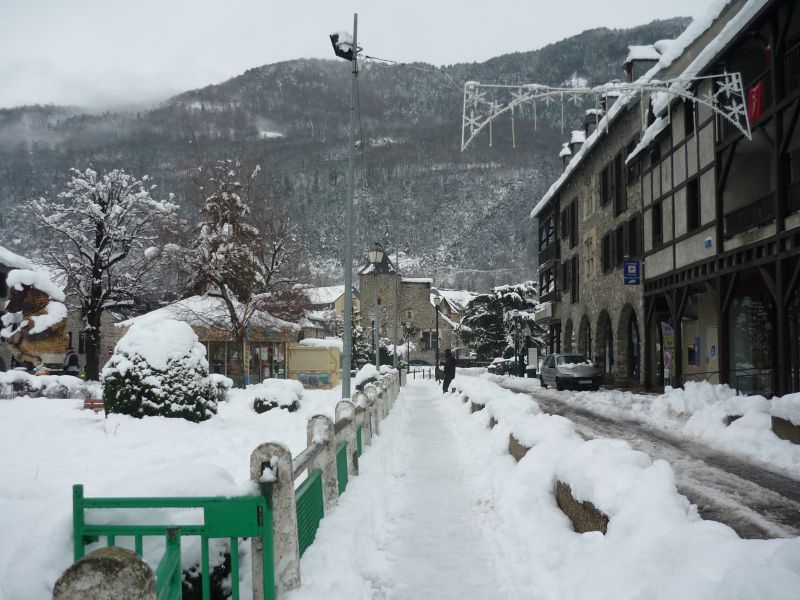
x: 620, y: 245
x: 635, y: 237
x: 657, y: 224
x: 573, y: 271
x: 688, y: 118
x: 608, y: 250
x: 216, y: 357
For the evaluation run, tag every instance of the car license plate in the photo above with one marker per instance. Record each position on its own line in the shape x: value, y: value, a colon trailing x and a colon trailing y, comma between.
x: 585, y: 381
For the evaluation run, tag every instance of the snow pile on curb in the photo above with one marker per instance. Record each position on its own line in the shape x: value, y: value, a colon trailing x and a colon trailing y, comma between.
x: 502, y: 404
x: 656, y: 545
x: 712, y: 414
x: 365, y: 373
x: 20, y: 383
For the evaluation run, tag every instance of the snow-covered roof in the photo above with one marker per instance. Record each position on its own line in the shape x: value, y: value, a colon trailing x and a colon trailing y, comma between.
x: 651, y: 133
x: 565, y: 151
x: 672, y: 51
x: 328, y: 342
x: 206, y: 311
x: 385, y: 267
x: 642, y: 53
x: 417, y: 280
x: 324, y: 295
x: 36, y: 279
x: 15, y: 261
x: 458, y: 299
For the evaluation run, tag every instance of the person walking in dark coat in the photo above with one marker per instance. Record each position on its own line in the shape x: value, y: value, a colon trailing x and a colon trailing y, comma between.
x: 71, y: 364
x: 449, y: 369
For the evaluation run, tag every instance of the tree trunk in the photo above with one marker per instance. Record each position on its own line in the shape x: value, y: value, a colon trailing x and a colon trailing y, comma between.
x: 92, y: 368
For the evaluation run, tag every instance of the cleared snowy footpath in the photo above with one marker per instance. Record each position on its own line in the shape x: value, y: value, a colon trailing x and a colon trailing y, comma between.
x: 410, y: 519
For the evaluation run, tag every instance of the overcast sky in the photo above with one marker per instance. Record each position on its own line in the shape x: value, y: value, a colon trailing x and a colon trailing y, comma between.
x: 111, y: 52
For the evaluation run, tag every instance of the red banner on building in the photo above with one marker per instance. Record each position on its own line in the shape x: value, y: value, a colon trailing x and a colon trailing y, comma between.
x: 755, y: 101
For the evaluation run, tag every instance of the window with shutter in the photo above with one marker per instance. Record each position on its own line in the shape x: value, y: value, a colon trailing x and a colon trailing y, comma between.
x: 573, y: 229
x: 575, y: 280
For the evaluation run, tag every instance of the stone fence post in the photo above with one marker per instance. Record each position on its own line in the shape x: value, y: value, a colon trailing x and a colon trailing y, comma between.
x: 372, y: 396
x: 346, y: 411
x: 320, y: 430
x: 107, y: 574
x: 277, y: 459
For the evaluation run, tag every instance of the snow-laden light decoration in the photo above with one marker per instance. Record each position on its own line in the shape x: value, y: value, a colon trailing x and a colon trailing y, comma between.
x: 484, y: 103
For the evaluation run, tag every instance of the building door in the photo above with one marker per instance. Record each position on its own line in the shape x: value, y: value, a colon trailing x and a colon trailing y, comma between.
x: 712, y: 356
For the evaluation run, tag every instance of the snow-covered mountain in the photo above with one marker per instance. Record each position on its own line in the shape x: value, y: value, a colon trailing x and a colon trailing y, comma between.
x: 461, y: 217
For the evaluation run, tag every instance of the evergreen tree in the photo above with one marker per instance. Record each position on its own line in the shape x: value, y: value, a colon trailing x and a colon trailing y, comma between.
x: 493, y: 326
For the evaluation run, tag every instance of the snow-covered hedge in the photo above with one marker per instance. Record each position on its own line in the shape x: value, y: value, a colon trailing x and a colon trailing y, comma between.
x: 273, y: 393
x: 159, y: 369
x: 21, y: 383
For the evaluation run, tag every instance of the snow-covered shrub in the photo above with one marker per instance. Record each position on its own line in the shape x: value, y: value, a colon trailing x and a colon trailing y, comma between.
x: 220, y: 385
x: 20, y: 383
x: 159, y: 368
x: 276, y: 393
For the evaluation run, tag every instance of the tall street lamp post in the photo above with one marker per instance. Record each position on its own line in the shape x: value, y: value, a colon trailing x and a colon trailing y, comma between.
x: 376, y: 258
x: 349, y: 52
x: 437, y: 300
x: 515, y: 316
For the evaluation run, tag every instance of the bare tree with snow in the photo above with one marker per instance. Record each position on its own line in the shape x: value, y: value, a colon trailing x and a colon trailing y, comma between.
x: 246, y: 250
x: 101, y: 231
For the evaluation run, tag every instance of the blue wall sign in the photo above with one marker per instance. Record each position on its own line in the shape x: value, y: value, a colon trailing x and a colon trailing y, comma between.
x: 631, y: 272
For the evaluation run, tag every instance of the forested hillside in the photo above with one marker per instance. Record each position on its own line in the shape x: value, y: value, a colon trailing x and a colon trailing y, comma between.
x: 415, y: 190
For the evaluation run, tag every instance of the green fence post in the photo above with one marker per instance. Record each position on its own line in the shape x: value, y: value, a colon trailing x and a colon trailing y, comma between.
x: 77, y: 521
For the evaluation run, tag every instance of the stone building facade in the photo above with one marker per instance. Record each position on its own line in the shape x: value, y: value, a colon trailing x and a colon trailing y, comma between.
x: 722, y: 215
x: 416, y: 311
x: 595, y: 225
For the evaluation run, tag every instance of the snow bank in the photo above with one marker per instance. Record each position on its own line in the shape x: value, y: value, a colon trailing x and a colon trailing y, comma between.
x: 20, y: 383
x: 48, y: 445
x: 273, y: 393
x: 15, y: 261
x: 656, y: 545
x: 365, y: 373
x: 700, y: 411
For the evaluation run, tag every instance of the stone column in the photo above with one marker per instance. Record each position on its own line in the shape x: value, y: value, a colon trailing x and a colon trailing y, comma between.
x: 345, y: 410
x: 278, y: 458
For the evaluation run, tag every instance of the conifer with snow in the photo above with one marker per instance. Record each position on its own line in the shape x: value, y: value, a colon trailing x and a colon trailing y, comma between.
x: 492, y: 324
x: 159, y: 369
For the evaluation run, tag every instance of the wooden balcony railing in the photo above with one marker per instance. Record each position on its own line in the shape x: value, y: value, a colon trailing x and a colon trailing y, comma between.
x: 548, y: 253
x: 751, y: 216
x: 793, y: 198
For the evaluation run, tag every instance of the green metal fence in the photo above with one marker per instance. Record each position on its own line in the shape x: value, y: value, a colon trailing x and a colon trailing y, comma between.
x: 231, y: 518
x: 310, y: 509
x: 341, y: 466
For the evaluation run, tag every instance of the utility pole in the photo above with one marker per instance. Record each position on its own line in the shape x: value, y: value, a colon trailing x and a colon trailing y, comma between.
x: 347, y: 337
x: 396, y: 307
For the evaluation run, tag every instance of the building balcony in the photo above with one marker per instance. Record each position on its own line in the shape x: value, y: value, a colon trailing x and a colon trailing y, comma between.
x: 548, y: 253
x: 752, y: 216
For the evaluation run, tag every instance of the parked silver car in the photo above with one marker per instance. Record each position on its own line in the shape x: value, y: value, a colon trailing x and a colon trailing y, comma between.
x: 570, y: 371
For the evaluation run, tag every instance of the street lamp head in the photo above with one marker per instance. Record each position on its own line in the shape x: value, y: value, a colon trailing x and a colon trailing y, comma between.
x: 342, y: 45
x: 437, y: 300
x: 376, y: 254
